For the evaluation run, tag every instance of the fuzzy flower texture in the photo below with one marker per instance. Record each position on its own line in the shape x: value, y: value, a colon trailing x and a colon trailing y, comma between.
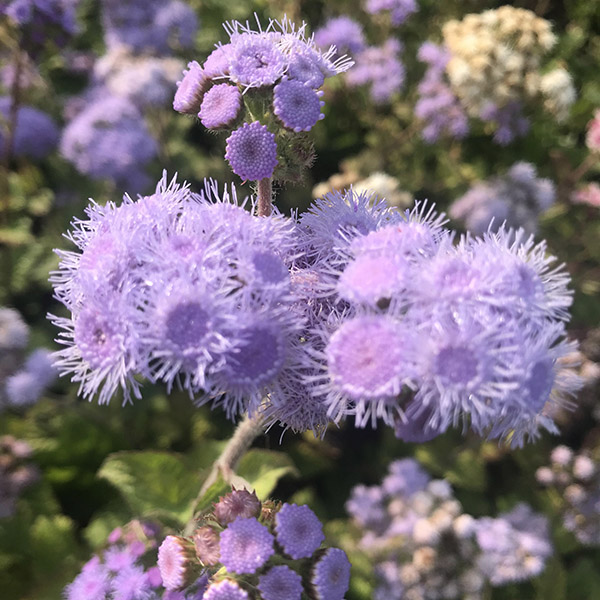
x: 263, y: 88
x: 250, y: 550
x: 425, y: 547
x: 353, y: 310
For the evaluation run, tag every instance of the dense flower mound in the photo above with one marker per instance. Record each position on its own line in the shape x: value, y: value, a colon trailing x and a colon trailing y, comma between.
x: 109, y: 140
x: 182, y: 288
x: 126, y: 569
x: 491, y: 66
x: 425, y: 546
x: 279, y: 65
x: 149, y: 25
x: 420, y: 330
x: 576, y: 478
x: 516, y: 199
x: 255, y: 550
x: 36, y: 134
x: 354, y: 310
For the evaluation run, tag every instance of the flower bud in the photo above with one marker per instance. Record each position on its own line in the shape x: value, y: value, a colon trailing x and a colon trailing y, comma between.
x: 238, y: 503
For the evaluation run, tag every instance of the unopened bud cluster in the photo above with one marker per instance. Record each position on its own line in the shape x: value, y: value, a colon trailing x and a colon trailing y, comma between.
x: 576, y: 478
x: 252, y: 550
x: 425, y: 547
x: 263, y: 87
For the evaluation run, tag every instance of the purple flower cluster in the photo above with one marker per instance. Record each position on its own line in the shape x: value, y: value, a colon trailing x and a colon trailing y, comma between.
x: 245, y: 546
x: 424, y: 334
x: 517, y: 199
x: 576, y: 478
x: 149, y: 25
x: 16, y: 473
x: 182, y: 288
x: 425, y: 546
x: 381, y: 69
x: 437, y: 106
x: 42, y: 20
x: 344, y: 33
x: 279, y: 65
x: 36, y: 134
x: 108, y: 139
x: 399, y: 10
x: 121, y: 570
x: 353, y: 310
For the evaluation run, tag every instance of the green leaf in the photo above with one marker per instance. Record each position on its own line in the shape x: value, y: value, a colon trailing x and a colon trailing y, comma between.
x: 52, y: 540
x: 213, y: 493
x: 552, y: 583
x: 262, y: 469
x: 153, y: 483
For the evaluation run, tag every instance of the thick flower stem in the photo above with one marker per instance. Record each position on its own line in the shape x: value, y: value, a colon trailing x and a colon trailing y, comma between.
x: 246, y: 432
x: 265, y: 197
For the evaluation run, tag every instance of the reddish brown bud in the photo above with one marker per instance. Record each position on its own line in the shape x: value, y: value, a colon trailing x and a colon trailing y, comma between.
x: 206, y: 542
x: 238, y: 503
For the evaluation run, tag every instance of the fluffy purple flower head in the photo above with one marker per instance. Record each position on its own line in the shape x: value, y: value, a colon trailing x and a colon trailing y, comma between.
x: 299, y: 531
x: 256, y: 60
x: 330, y: 577
x: 344, y: 33
x: 220, y: 106
x: 93, y: 583
x: 280, y: 583
x: 331, y: 221
x: 246, y: 546
x: 305, y: 67
x: 36, y: 134
x: 399, y: 10
x: 380, y: 68
x: 40, y: 364
x: 297, y: 105
x: 217, y: 62
x: 225, y: 590
x: 368, y: 360
x: 252, y: 152
x: 132, y: 584
x: 191, y: 89
x: 366, y: 506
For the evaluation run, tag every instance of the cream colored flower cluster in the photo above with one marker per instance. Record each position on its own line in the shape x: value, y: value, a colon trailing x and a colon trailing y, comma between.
x: 497, y: 56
